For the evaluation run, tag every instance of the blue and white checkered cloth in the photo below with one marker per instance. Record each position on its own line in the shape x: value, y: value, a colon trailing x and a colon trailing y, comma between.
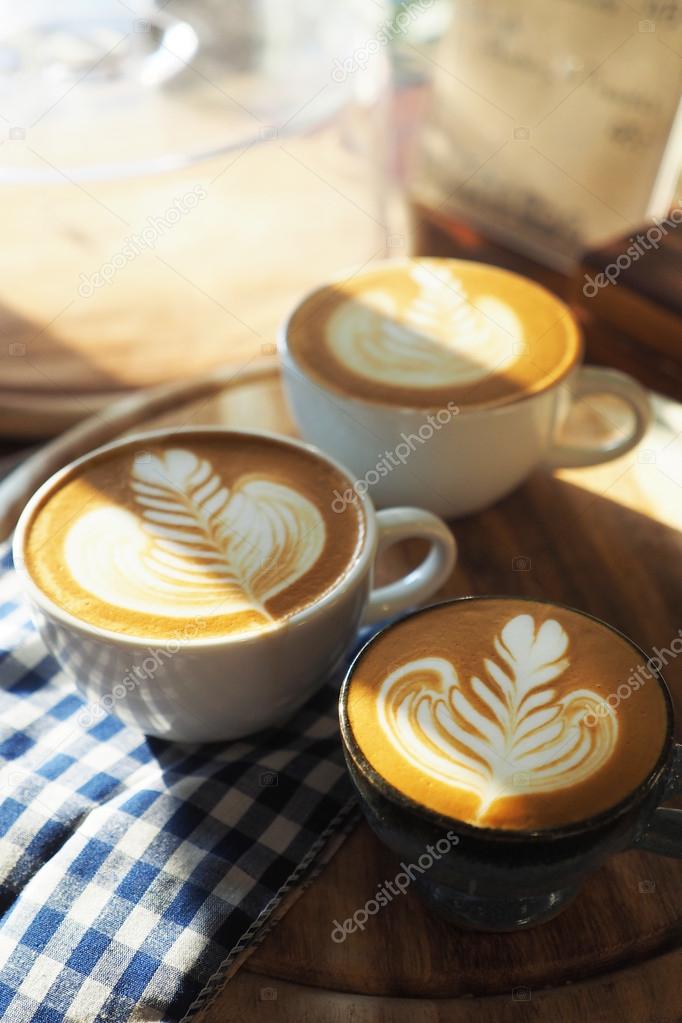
x: 135, y: 872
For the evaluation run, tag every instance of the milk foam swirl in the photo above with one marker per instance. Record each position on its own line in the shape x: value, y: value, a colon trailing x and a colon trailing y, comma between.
x: 507, y: 734
x: 439, y: 338
x: 195, y: 547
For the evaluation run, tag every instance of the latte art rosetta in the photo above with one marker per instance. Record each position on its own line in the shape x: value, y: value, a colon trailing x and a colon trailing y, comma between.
x: 505, y: 733
x: 193, y: 546
x: 440, y: 337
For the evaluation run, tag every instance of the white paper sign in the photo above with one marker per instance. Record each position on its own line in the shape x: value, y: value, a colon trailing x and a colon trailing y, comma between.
x: 554, y: 126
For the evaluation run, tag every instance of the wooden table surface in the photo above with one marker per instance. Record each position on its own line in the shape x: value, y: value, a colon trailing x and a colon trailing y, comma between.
x: 212, y: 288
x: 608, y: 540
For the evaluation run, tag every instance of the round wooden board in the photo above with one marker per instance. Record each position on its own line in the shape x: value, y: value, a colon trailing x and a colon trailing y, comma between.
x: 608, y: 540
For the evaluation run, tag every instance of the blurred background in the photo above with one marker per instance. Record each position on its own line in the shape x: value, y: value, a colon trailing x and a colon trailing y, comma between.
x: 173, y: 176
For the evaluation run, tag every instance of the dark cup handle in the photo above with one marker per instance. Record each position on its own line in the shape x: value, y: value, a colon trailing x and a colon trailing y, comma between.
x: 663, y: 833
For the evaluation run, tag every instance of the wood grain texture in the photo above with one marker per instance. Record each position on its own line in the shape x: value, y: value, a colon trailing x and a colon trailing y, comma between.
x: 617, y: 920
x: 625, y: 996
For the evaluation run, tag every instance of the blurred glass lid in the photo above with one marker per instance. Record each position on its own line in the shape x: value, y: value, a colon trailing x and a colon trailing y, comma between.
x: 109, y: 88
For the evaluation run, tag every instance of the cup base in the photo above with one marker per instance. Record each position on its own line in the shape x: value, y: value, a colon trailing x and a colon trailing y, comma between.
x: 478, y: 912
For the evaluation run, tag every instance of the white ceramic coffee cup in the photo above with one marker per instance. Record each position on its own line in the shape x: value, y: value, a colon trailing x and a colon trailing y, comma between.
x: 204, y: 689
x: 453, y: 461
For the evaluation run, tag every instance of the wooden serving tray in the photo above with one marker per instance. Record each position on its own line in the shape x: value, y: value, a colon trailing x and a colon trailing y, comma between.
x: 607, y: 540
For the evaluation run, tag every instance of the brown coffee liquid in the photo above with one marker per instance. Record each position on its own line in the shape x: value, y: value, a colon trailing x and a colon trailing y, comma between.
x: 507, y: 713
x: 423, y: 332
x: 194, y: 536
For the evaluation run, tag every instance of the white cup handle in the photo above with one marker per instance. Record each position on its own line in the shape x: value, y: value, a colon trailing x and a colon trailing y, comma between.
x: 599, y: 380
x: 422, y: 582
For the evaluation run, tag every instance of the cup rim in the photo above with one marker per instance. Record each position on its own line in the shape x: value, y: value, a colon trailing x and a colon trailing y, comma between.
x: 573, y: 828
x: 286, y: 353
x: 66, y: 619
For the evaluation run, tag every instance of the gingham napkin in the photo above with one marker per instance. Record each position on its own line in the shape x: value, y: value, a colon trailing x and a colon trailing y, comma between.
x: 134, y: 872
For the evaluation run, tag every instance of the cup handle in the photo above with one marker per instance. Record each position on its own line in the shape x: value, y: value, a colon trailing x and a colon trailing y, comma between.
x: 598, y: 380
x: 663, y: 833
x: 396, y: 524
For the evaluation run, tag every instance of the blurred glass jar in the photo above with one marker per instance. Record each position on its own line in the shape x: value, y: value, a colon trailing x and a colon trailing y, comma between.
x: 172, y: 177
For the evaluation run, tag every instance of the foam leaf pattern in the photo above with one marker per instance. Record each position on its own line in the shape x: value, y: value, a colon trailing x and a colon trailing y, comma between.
x: 506, y: 733
x: 196, y: 547
x: 439, y: 337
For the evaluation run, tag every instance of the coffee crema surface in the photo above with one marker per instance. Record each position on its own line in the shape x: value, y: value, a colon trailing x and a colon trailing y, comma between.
x: 420, y: 333
x: 507, y: 713
x: 232, y: 533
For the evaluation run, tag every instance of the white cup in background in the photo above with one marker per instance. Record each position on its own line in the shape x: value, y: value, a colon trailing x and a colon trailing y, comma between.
x: 449, y: 459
